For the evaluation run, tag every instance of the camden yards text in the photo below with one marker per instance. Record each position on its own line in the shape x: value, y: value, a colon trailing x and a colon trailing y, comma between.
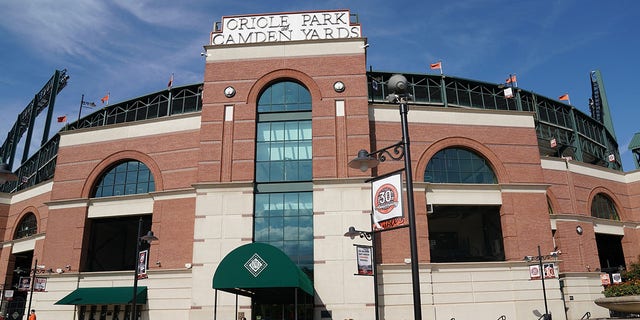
x: 285, y: 27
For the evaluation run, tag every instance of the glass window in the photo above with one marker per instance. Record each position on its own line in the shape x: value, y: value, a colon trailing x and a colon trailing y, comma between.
x: 456, y: 165
x: 602, y: 207
x: 27, y: 226
x: 129, y: 177
x: 284, y: 96
x: 283, y: 159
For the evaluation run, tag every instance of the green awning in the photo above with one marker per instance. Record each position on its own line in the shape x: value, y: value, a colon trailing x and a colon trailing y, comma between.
x: 260, y: 269
x: 104, y: 295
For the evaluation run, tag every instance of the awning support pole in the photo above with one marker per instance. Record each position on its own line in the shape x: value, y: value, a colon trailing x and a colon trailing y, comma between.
x: 215, y: 304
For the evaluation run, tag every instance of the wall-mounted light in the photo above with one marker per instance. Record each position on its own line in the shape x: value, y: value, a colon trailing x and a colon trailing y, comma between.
x: 188, y: 265
x: 339, y: 86
x: 579, y: 230
x: 229, y: 92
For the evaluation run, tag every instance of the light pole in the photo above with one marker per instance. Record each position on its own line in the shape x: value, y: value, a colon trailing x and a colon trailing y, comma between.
x: 352, y: 233
x: 540, y: 258
x: 139, y: 240
x: 397, y: 85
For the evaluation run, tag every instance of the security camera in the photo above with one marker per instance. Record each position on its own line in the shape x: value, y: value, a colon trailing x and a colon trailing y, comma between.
x: 188, y: 265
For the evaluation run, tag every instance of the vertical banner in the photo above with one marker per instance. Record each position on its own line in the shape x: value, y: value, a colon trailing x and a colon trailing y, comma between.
x: 534, y: 272
x: 365, y: 260
x: 40, y: 285
x: 142, y: 264
x: 25, y: 284
x: 549, y: 270
x: 386, y: 197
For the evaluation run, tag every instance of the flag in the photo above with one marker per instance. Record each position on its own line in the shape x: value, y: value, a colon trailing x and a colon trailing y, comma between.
x: 88, y: 104
x: 564, y: 97
x: 437, y: 65
x: 170, y: 82
x: 512, y: 79
x: 105, y: 99
x: 62, y: 119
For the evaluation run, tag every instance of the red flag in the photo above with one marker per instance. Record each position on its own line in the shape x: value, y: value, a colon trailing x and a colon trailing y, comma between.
x: 170, y: 82
x: 62, y: 119
x: 564, y: 97
x: 437, y: 65
x: 512, y: 78
x: 105, y: 98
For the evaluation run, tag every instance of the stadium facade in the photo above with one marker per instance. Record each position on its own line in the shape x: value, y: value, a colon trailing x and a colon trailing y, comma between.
x: 245, y: 181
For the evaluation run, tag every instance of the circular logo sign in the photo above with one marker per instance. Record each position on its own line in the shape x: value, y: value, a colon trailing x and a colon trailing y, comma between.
x: 386, y: 198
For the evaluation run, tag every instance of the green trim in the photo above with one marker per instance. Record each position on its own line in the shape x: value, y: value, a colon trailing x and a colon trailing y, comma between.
x: 104, y: 295
x: 272, y: 269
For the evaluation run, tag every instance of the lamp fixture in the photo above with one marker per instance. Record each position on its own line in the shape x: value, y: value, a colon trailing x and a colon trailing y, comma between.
x: 352, y: 233
x: 339, y: 86
x: 579, y: 230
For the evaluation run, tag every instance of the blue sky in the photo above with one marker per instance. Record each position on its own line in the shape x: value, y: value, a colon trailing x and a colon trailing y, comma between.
x: 130, y: 48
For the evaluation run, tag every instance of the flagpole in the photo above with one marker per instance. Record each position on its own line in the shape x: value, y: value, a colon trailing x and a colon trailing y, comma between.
x: 81, y: 104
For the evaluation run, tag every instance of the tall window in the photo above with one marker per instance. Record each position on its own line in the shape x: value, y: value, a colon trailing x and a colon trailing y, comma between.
x: 456, y: 165
x: 602, y: 207
x: 27, y: 226
x: 283, y: 172
x: 129, y: 177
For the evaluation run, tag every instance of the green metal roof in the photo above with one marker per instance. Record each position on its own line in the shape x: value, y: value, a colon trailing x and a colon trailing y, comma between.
x: 259, y: 269
x: 104, y: 295
x: 635, y: 142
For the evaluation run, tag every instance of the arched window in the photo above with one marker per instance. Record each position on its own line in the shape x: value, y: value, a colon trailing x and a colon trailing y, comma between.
x: 457, y: 165
x: 128, y: 177
x: 602, y: 207
x: 28, y: 226
x: 283, y: 172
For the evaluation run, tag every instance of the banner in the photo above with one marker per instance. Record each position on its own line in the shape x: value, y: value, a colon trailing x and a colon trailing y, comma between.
x: 40, y: 285
x: 386, y: 197
x: 534, y: 272
x: 365, y: 260
x: 549, y: 270
x: 142, y: 264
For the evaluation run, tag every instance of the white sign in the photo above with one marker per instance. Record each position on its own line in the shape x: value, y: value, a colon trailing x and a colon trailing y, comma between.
x: 386, y: 196
x: 286, y: 27
x: 365, y: 261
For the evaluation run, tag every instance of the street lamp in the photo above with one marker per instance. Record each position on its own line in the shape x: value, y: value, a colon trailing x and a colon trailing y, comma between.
x: 540, y: 258
x: 139, y: 240
x: 352, y: 233
x: 397, y: 85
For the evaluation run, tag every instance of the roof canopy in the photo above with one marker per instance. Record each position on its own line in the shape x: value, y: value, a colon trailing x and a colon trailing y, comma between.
x: 104, y: 295
x: 262, y: 270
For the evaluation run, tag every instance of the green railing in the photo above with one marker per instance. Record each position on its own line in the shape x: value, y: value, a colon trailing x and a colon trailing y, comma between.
x: 576, y: 134
x: 41, y: 165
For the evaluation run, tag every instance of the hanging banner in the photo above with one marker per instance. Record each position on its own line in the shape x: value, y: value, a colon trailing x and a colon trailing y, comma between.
x: 142, y: 264
x: 365, y: 260
x: 534, y: 272
x: 616, y: 277
x: 549, y: 270
x: 25, y: 284
x: 40, y: 285
x: 386, y: 197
